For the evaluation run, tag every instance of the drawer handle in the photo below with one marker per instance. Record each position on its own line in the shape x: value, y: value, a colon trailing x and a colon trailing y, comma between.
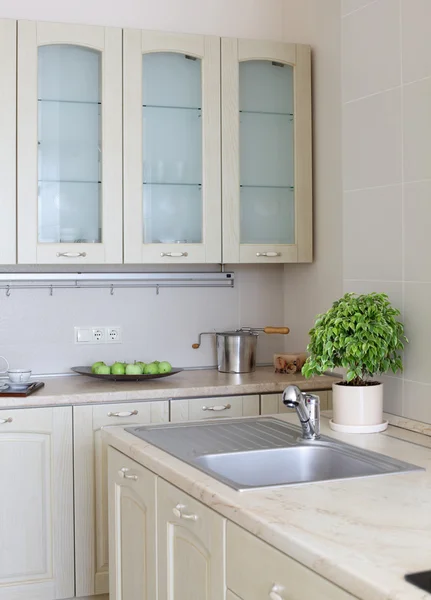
x: 129, y: 413
x: 178, y: 512
x: 174, y: 254
x: 72, y: 254
x: 8, y: 420
x: 268, y: 254
x: 274, y: 594
x: 219, y: 407
x: 123, y: 473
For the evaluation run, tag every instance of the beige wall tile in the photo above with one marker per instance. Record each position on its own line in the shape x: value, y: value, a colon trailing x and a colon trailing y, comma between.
x: 394, y: 289
x: 372, y: 234
x: 392, y: 394
x: 369, y: 64
x: 417, y: 403
x: 372, y: 141
x: 417, y: 238
x: 347, y: 6
x: 416, y: 31
x: 417, y: 302
x: 417, y: 130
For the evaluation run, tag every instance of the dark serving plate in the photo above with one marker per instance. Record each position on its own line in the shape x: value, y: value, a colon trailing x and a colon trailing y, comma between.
x: 87, y: 371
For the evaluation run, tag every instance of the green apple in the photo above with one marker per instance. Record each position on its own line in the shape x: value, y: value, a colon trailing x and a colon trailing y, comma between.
x: 118, y: 369
x: 141, y: 364
x: 165, y: 367
x: 103, y: 370
x: 97, y: 364
x: 156, y: 362
x: 133, y: 370
x: 151, y: 369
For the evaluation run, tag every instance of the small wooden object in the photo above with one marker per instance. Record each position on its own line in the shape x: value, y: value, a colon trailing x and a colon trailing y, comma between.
x: 289, y: 363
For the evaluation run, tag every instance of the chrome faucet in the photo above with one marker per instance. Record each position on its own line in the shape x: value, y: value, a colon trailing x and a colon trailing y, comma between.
x: 307, y: 408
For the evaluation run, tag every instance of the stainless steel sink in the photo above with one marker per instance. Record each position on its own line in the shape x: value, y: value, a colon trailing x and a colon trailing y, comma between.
x: 264, y: 452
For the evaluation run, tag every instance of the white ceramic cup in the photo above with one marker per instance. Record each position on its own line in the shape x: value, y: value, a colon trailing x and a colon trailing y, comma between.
x: 19, y: 375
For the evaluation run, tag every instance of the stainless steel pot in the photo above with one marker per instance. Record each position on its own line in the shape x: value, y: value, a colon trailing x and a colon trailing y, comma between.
x: 236, y: 350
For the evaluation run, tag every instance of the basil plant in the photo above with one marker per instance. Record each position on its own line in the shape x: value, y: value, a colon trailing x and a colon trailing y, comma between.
x: 360, y: 333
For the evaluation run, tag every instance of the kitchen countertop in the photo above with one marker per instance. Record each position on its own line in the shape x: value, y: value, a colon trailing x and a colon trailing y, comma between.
x: 73, y: 390
x: 364, y: 535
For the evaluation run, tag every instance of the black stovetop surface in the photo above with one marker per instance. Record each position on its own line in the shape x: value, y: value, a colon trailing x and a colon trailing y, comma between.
x: 421, y: 580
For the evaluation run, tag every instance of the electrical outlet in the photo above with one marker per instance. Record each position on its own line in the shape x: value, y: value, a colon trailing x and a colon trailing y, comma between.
x: 113, y: 335
x: 98, y: 335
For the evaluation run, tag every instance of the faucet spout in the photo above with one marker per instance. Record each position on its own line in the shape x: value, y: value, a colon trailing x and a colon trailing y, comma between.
x: 294, y: 398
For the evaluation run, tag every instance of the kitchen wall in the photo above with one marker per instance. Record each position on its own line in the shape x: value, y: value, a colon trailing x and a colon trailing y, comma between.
x: 37, y: 330
x: 386, y: 83
x: 311, y: 289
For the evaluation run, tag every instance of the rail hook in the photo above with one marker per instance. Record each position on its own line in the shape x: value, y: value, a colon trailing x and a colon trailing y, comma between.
x: 8, y: 291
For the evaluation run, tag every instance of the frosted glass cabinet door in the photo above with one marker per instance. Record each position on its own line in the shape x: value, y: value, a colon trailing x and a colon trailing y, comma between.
x: 266, y: 153
x: 172, y: 182
x: 69, y: 144
x: 8, y: 141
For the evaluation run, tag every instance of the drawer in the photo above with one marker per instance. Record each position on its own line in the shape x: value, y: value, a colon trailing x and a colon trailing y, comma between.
x: 272, y: 404
x: 209, y: 408
x: 262, y: 569
x: 129, y: 413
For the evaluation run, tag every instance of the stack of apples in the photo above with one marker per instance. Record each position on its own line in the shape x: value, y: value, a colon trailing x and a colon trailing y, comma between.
x: 136, y: 368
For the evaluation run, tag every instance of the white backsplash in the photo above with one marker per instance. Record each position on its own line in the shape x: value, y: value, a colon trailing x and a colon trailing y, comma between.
x: 36, y: 329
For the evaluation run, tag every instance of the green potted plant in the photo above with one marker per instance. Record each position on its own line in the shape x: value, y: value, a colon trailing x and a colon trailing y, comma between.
x: 361, y: 334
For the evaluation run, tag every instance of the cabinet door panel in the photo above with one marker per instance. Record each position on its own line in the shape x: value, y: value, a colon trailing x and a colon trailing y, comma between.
x: 132, y: 533
x: 210, y: 408
x: 36, y: 520
x: 91, y: 499
x: 69, y: 144
x: 190, y: 547
x: 266, y: 154
x: 172, y: 178
x: 8, y: 141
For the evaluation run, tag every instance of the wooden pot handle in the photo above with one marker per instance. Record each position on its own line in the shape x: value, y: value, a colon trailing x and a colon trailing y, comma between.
x: 282, y: 330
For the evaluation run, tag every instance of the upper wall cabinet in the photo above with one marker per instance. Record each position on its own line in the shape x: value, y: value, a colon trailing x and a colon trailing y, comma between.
x: 172, y: 178
x: 69, y: 144
x: 8, y: 141
x: 266, y: 152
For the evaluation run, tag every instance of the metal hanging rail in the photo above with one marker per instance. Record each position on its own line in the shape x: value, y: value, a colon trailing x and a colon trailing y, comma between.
x: 112, y: 281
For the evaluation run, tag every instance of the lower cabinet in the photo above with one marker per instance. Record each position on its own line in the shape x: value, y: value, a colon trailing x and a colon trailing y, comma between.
x: 36, y: 504
x: 209, y: 408
x: 190, y: 547
x: 132, y: 529
x: 91, y: 488
x: 272, y: 404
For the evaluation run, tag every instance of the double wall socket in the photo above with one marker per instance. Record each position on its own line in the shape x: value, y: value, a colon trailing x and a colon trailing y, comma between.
x: 98, y: 335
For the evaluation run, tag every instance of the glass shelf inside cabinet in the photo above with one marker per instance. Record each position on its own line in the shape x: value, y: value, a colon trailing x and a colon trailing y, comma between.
x: 267, y: 194
x: 172, y: 148
x: 69, y: 144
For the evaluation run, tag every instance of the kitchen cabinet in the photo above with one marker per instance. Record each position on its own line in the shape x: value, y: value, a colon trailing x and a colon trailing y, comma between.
x: 255, y: 570
x: 36, y: 504
x: 190, y: 546
x: 266, y: 152
x: 272, y: 404
x: 8, y: 141
x: 69, y: 144
x: 132, y: 529
x: 172, y: 177
x: 91, y: 487
x: 210, y: 408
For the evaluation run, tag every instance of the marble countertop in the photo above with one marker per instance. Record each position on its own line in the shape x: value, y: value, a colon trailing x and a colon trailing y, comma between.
x: 72, y: 390
x: 364, y: 535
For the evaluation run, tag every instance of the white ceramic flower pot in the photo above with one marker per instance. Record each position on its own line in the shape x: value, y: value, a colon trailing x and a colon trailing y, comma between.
x: 357, y: 405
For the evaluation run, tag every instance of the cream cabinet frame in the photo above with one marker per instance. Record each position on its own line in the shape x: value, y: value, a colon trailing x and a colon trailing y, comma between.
x: 108, y: 41
x: 207, y: 48
x: 8, y: 141
x: 233, y: 51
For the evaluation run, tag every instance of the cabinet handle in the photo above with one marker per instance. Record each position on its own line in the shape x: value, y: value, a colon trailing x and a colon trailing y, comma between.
x: 8, y: 420
x: 219, y: 407
x: 274, y: 594
x: 123, y: 473
x: 174, y: 254
x: 178, y: 512
x: 71, y: 254
x: 268, y: 254
x: 123, y: 414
